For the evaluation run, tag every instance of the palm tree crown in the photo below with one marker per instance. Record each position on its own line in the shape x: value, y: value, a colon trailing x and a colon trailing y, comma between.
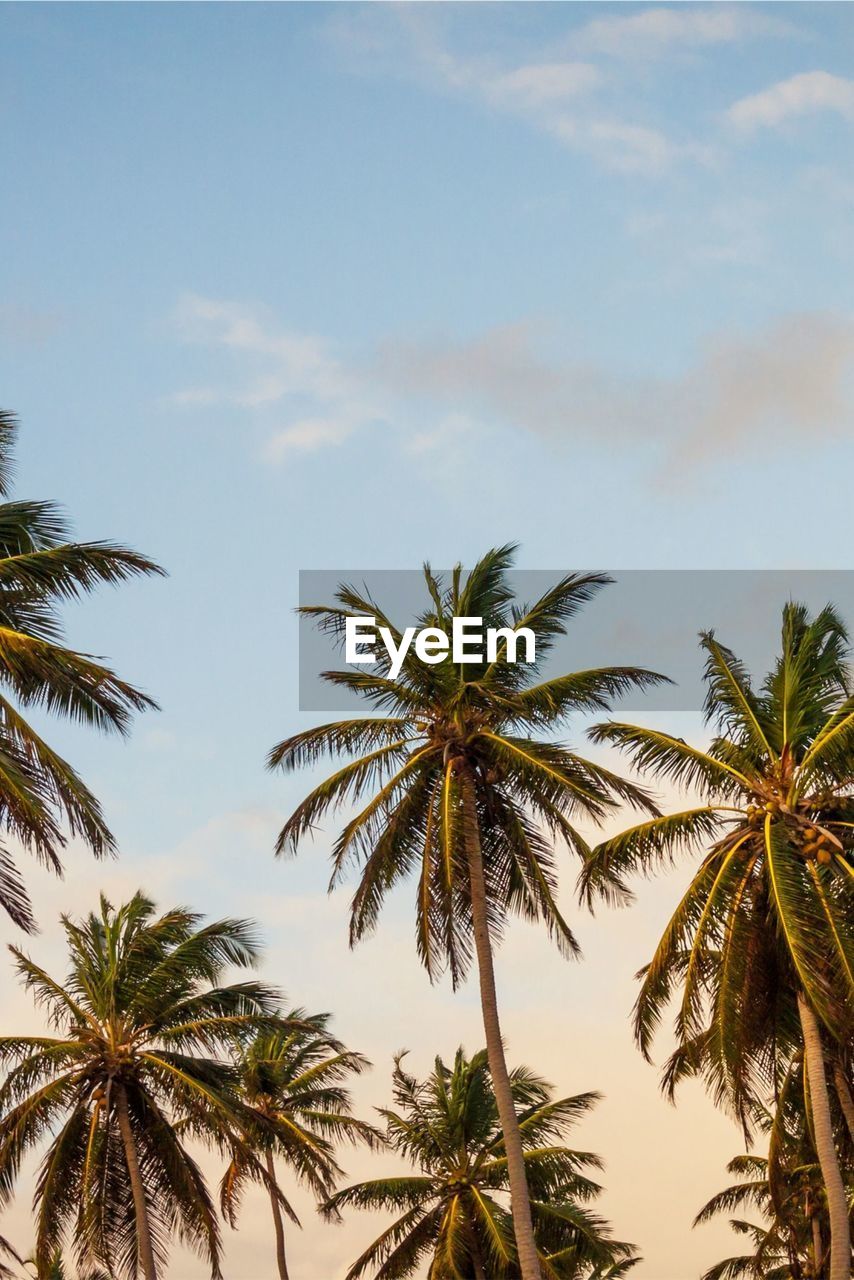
x: 295, y: 1078
x: 42, y: 798
x: 771, y: 907
x: 791, y: 1239
x: 762, y: 942
x: 449, y: 731
x: 140, y: 1056
x: 453, y: 1212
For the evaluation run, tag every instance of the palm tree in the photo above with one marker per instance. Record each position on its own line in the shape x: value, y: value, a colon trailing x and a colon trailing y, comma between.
x: 57, y: 1270
x: 762, y: 942
x: 143, y: 1028
x: 786, y: 1188
x: 293, y: 1077
x: 452, y: 1211
x: 468, y: 789
x: 42, y: 798
x: 787, y: 1243
x: 775, y: 1252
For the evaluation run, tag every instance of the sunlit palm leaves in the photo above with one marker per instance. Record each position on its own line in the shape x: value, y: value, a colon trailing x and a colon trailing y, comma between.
x: 771, y: 906
x: 42, y: 798
x: 295, y: 1077
x: 778, y: 1202
x: 452, y: 1214
x: 492, y: 722
x: 58, y: 1270
x: 141, y: 1021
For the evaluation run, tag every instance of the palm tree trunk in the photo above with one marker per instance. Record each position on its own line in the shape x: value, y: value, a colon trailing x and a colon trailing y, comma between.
x: 520, y: 1201
x: 843, y: 1092
x: 145, y: 1248
x: 816, y: 1246
x: 837, y: 1201
x: 277, y: 1221
x: 479, y: 1273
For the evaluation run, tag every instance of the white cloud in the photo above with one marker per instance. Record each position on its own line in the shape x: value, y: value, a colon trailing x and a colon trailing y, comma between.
x: 656, y: 32
x: 537, y: 84
x: 803, y: 94
x: 309, y: 435
x: 277, y: 372
x: 625, y: 147
x: 446, y: 434
x: 542, y: 92
x: 301, y: 362
x: 558, y: 96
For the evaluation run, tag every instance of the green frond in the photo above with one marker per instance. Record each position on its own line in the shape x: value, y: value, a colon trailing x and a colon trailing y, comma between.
x: 645, y: 848
x: 672, y: 759
x: 443, y: 725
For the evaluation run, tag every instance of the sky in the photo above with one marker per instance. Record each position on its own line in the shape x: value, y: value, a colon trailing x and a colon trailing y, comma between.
x: 290, y: 287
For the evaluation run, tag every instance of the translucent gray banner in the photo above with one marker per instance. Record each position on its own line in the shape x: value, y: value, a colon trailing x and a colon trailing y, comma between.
x: 646, y: 618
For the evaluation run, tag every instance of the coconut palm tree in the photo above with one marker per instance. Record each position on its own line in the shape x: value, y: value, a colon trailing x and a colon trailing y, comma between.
x: 452, y: 1213
x: 786, y: 1188
x: 762, y: 943
x: 787, y: 1243
x: 143, y: 1027
x: 468, y: 789
x: 57, y: 1270
x: 294, y: 1078
x: 42, y: 798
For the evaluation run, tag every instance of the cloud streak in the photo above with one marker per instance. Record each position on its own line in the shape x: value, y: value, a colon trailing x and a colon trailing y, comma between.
x: 290, y: 373
x: 788, y: 383
x: 659, y: 32
x: 568, y: 98
x: 805, y: 94
x: 583, y: 92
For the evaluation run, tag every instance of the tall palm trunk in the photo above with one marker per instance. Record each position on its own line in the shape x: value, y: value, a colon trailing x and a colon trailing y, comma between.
x: 477, y: 1261
x: 145, y: 1247
x: 278, y: 1224
x: 844, y: 1094
x: 520, y: 1201
x: 817, y: 1251
x: 837, y: 1200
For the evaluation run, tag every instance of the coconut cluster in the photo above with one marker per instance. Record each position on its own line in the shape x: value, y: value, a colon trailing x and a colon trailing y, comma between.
x: 814, y: 844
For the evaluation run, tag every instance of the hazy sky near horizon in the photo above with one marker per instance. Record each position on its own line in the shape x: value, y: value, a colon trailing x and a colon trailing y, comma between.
x: 322, y: 286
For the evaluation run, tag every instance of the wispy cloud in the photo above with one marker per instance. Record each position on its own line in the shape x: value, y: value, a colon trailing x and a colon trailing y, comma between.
x: 804, y: 94
x: 302, y: 362
x: 307, y: 435
x: 568, y: 98
x: 659, y: 32
x: 289, y: 374
x: 791, y: 381
x: 625, y: 147
x: 536, y: 85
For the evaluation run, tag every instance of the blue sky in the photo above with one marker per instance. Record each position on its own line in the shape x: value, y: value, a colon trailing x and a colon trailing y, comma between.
x: 319, y: 286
